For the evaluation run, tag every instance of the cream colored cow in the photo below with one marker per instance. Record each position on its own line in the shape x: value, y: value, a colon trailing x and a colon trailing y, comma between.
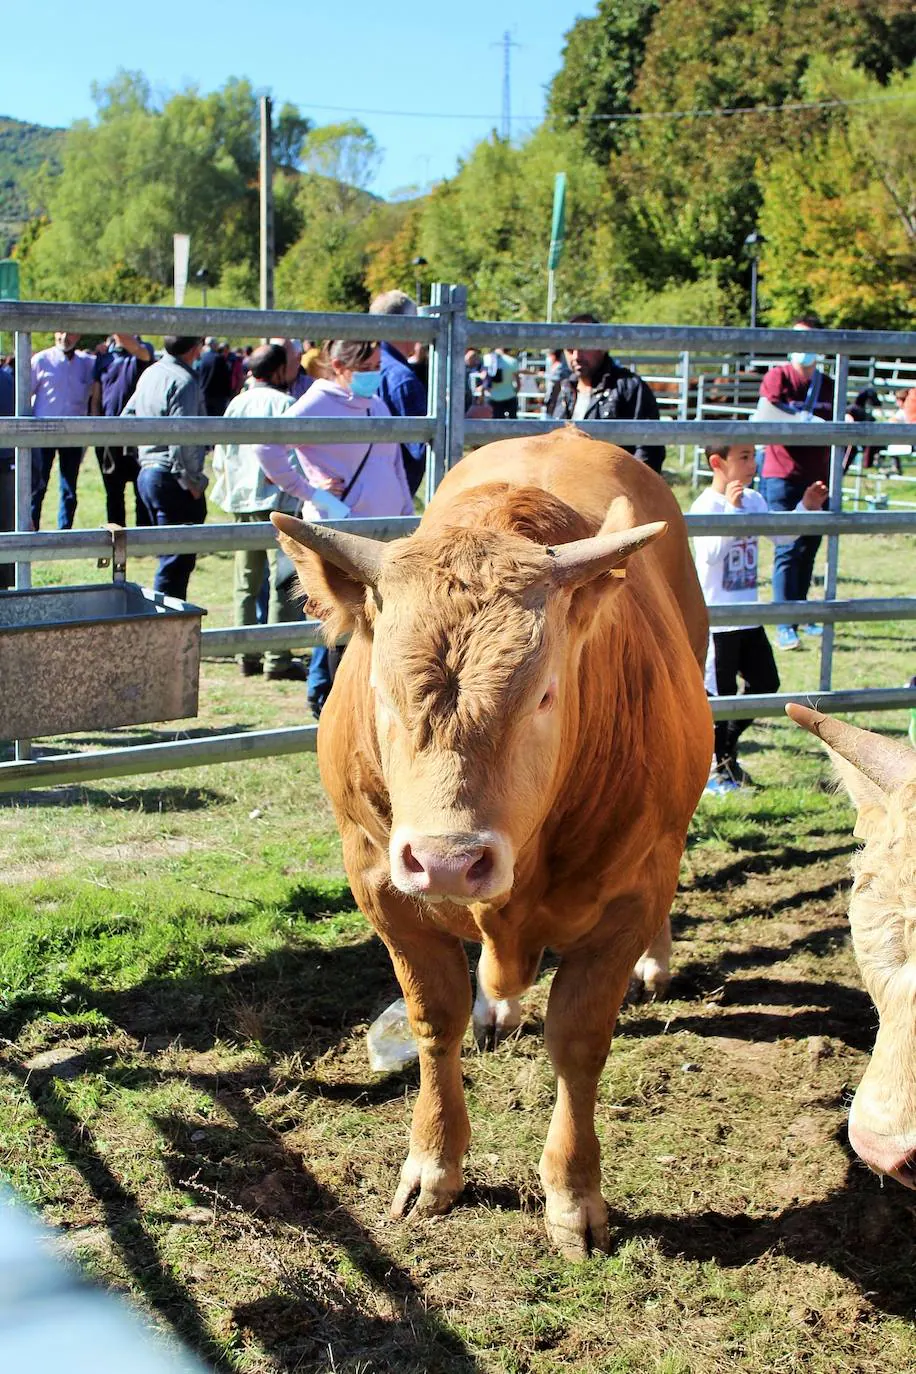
x: 880, y: 776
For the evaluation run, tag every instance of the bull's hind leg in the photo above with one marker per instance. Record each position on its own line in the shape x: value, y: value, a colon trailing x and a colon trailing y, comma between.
x: 433, y: 973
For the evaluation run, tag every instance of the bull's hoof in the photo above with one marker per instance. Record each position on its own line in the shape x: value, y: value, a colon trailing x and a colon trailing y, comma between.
x: 427, y: 1188
x: 650, y: 981
x: 495, y: 1021
x: 577, y: 1225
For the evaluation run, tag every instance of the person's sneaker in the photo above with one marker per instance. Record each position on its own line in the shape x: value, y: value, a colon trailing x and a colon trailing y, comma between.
x: 294, y: 671
x: 786, y: 637
x: 731, y: 768
x: 719, y: 786
x: 816, y: 630
x: 251, y: 667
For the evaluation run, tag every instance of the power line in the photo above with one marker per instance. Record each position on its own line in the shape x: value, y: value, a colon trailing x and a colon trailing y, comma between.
x: 722, y: 112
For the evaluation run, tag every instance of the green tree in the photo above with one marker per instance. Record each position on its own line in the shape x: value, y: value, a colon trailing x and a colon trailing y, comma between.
x: 143, y: 171
x: 602, y: 57
x: 325, y: 268
x: 839, y: 216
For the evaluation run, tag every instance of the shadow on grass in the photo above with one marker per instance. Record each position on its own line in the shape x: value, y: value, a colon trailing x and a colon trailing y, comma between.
x: 149, y: 800
x: 303, y: 1002
x: 858, y: 1230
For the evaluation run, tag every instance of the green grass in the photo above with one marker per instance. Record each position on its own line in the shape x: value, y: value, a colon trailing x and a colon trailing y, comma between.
x: 184, y: 992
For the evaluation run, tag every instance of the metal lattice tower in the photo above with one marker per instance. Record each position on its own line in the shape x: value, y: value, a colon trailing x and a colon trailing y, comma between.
x: 508, y: 43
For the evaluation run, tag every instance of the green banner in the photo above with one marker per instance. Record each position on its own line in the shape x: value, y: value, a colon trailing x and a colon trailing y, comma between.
x: 558, y: 223
x: 9, y: 279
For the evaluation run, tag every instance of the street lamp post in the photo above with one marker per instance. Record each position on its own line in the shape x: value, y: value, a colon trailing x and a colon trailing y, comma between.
x: 753, y: 244
x: 202, y: 277
x: 416, y: 264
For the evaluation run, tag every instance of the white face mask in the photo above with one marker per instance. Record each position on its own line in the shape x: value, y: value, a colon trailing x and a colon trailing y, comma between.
x: 803, y: 359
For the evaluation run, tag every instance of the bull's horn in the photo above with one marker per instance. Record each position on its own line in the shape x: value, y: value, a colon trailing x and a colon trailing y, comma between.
x: 584, y: 559
x: 358, y: 557
x: 886, y: 762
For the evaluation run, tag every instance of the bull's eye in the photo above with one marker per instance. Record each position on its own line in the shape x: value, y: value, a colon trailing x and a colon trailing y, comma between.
x: 548, y: 700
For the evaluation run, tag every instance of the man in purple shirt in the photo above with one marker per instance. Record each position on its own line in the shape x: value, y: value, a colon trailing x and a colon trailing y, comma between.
x: 63, y: 380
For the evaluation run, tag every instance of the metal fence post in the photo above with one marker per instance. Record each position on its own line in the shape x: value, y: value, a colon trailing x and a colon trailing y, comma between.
x: 23, y: 460
x: 837, y: 454
x: 23, y: 471
x: 438, y: 390
x: 457, y: 347
x: 683, y: 410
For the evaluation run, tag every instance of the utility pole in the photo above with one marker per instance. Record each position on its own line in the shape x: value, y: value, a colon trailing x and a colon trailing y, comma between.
x: 508, y: 43
x: 267, y: 208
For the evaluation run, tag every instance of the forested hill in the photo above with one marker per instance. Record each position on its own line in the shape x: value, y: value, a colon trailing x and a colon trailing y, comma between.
x: 23, y: 148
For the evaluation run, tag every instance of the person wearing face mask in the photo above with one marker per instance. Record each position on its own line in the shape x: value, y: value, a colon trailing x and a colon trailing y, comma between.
x: 368, y: 478
x: 251, y: 480
x: 788, y: 471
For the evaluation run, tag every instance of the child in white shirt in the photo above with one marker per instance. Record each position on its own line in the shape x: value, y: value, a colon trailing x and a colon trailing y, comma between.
x: 727, y: 569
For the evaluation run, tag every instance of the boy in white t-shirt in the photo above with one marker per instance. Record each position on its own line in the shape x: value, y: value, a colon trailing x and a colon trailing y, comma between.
x: 727, y: 569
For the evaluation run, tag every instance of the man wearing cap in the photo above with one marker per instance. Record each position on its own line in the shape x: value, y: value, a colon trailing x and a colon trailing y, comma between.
x: 400, y: 387
x: 172, y: 478
x: 795, y: 387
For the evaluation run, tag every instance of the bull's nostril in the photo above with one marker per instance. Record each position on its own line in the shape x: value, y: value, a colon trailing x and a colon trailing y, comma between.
x: 481, y: 868
x: 411, y: 863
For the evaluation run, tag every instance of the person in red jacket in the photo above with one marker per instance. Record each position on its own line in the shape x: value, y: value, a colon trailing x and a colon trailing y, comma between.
x: 787, y: 472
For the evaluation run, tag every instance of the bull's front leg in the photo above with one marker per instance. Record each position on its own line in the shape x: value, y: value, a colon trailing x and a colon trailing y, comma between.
x: 587, y: 992
x: 433, y: 973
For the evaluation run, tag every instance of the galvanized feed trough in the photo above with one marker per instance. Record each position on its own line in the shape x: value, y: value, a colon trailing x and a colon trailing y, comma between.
x: 90, y: 658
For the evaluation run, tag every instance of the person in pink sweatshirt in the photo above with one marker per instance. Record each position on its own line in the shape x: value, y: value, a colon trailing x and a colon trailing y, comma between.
x: 368, y: 479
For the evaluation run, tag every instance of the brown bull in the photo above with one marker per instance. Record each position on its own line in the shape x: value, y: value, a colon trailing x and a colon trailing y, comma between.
x: 514, y: 747
x: 880, y: 776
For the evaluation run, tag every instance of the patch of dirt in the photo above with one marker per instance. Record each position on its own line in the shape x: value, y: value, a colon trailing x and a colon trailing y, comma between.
x: 131, y: 852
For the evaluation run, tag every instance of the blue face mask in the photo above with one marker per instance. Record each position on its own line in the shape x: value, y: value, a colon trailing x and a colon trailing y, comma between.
x: 803, y: 359
x: 365, y: 383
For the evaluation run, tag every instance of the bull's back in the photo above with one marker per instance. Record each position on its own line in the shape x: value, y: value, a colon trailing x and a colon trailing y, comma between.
x: 589, y: 476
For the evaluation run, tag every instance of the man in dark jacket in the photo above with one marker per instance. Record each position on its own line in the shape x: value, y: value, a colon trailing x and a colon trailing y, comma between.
x: 400, y: 387
x: 215, y: 378
x: 601, y: 390
x: 118, y: 372
x: 7, y: 475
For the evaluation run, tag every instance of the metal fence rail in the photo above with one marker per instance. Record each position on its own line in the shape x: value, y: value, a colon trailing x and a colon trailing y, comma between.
x: 446, y: 328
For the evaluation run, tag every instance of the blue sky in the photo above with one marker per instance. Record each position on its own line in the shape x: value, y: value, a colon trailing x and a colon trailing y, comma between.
x: 434, y: 58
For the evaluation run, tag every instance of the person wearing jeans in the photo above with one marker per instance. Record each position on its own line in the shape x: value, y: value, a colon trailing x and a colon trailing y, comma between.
x: 63, y: 384
x: 795, y: 387
x: 172, y: 504
x: 172, y: 479
x: 793, y: 564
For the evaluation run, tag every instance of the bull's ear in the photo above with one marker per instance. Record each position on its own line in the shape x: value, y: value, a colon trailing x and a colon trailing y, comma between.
x: 333, y: 570
x: 329, y: 594
x: 866, y: 796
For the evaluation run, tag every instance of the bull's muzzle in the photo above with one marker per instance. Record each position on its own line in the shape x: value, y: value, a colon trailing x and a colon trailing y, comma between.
x: 892, y: 1155
x: 475, y: 867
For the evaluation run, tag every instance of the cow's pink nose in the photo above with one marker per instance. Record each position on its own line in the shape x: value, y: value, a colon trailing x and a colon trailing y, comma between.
x: 463, y: 872
x: 886, y: 1154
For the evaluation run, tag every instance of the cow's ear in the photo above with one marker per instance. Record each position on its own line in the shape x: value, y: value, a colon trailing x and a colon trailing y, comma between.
x: 866, y: 796
x: 334, y: 598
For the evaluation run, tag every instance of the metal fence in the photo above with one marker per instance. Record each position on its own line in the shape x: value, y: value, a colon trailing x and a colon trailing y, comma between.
x: 445, y: 326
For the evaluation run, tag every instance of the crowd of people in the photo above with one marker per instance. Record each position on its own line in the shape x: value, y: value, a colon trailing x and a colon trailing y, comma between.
x: 346, y: 378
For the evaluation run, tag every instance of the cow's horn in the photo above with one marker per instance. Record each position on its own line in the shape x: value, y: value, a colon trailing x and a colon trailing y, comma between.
x: 584, y: 559
x: 358, y: 557
x: 886, y: 762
